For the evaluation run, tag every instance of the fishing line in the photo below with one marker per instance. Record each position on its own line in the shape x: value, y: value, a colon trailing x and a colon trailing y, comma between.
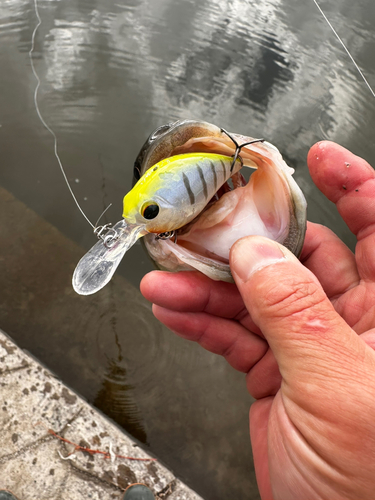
x: 45, y: 124
x: 101, y: 215
x: 345, y: 48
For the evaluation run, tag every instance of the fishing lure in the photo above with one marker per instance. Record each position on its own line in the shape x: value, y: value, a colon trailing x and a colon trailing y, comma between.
x: 168, y: 196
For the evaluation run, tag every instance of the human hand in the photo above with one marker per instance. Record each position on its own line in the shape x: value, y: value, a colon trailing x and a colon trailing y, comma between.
x: 309, y: 360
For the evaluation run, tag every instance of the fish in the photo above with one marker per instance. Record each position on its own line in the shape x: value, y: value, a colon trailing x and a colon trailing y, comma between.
x: 190, y: 203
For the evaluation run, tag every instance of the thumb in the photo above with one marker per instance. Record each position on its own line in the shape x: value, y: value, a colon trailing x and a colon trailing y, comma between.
x: 309, y: 339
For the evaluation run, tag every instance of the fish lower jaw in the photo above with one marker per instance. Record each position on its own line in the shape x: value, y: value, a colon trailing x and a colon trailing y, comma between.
x: 170, y: 256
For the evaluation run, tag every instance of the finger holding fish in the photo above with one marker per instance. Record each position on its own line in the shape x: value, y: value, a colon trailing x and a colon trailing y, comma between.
x: 228, y: 338
x: 192, y: 306
x: 193, y: 292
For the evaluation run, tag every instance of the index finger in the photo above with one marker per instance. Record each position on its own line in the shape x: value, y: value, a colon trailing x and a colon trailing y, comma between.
x: 191, y: 291
x: 348, y: 181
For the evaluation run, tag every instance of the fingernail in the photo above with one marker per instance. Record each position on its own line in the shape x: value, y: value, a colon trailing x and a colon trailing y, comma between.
x: 251, y: 254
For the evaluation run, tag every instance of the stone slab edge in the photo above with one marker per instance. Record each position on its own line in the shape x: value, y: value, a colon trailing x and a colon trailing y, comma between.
x: 37, y: 465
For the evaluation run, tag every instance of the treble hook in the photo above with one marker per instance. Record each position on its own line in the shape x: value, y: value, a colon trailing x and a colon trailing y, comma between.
x: 168, y: 235
x: 238, y: 147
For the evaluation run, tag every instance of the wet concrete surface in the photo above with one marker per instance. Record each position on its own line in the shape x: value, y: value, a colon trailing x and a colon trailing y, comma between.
x: 36, y: 408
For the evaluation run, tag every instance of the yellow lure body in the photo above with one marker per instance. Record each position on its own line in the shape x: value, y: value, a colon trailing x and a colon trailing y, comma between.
x: 178, y: 188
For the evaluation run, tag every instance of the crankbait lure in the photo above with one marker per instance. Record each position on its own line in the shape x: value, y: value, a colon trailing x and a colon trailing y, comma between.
x: 168, y: 196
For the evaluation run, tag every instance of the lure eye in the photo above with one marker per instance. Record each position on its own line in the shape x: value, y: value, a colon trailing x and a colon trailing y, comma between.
x: 150, y: 211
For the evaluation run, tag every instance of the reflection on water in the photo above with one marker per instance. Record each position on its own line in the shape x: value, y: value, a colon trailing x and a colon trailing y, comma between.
x: 115, y: 395
x: 114, y: 400
x: 111, y: 73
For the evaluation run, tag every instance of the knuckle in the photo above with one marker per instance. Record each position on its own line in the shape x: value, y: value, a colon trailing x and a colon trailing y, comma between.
x: 292, y: 297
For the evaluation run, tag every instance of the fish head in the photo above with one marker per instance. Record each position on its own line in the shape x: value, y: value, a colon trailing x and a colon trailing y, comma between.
x: 271, y: 204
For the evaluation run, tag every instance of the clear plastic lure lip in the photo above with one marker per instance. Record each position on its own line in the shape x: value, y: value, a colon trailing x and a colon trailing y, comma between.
x: 98, y: 265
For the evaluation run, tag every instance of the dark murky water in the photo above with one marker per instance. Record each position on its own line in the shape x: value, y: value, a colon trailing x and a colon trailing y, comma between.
x: 111, y: 73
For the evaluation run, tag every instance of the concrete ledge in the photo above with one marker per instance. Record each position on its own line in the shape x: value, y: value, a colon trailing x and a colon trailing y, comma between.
x: 37, y: 465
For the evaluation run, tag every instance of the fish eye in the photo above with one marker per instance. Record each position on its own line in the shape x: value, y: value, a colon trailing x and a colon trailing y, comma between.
x: 150, y: 210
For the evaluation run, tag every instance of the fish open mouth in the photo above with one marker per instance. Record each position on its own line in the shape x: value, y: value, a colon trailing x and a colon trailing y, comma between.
x: 270, y: 204
x: 191, y: 238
